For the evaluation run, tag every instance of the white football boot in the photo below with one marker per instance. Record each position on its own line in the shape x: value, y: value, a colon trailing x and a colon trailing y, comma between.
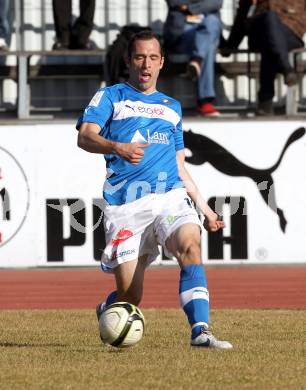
x: 207, y: 340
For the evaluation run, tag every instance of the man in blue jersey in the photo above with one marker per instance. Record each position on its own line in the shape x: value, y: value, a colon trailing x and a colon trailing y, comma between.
x: 147, y: 190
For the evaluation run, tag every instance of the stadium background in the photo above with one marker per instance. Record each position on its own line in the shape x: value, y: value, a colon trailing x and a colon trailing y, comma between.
x: 37, y: 219
x: 49, y: 250
x: 52, y: 86
x: 50, y: 206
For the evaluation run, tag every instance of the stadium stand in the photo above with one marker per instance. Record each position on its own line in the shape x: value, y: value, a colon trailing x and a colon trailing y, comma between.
x: 42, y: 79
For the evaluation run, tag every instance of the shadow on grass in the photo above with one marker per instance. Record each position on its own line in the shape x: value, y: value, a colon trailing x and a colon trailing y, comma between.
x: 94, y: 348
x: 20, y: 345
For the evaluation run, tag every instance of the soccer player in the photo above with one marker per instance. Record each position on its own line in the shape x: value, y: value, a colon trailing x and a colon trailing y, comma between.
x: 148, y: 191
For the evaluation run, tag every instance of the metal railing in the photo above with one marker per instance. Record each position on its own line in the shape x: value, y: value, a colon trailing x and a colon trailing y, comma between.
x: 109, y: 19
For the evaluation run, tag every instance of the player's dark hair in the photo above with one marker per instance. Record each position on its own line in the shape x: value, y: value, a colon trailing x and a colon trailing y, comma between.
x: 144, y: 35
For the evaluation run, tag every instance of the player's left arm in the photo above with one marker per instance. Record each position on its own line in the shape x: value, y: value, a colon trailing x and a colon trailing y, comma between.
x: 212, y: 222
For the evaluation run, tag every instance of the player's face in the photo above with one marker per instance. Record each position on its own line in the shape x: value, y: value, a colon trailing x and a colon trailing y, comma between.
x: 144, y: 65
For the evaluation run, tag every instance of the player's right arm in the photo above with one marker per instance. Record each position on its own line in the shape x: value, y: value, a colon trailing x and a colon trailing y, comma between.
x: 90, y: 140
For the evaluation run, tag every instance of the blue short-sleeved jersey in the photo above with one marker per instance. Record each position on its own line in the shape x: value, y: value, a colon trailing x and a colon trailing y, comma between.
x: 128, y: 115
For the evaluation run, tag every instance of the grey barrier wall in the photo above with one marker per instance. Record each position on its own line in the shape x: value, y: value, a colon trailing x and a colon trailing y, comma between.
x: 51, y: 212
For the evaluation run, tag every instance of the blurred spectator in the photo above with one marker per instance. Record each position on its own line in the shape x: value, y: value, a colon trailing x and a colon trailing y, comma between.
x: 194, y: 27
x: 4, y: 24
x: 73, y: 35
x: 274, y: 27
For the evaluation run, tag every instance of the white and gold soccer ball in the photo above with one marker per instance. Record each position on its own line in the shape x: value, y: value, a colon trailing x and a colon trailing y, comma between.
x: 121, y: 325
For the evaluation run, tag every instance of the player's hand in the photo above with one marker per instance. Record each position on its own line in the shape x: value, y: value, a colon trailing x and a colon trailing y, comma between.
x: 131, y: 152
x: 213, y: 225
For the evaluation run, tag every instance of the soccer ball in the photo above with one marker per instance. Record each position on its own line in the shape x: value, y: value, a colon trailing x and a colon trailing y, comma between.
x: 121, y: 325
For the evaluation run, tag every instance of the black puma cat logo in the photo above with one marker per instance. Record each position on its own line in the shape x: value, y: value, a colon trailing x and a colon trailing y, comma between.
x: 204, y: 149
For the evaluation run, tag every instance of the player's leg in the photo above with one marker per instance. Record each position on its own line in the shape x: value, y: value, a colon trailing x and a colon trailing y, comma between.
x: 184, y: 244
x: 128, y: 271
x: 178, y: 231
x: 130, y: 245
x: 129, y: 278
x: 182, y: 239
x: 129, y: 281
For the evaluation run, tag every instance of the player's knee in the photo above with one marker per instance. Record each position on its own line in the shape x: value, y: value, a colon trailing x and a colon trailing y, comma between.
x: 191, y: 252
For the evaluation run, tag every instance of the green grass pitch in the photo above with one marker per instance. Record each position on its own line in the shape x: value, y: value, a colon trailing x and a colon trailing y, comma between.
x: 62, y: 350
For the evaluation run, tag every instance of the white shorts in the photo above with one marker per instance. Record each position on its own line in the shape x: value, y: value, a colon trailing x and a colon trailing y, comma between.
x: 137, y: 228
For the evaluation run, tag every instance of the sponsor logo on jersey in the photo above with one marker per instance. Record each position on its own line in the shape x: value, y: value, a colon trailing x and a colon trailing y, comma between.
x: 121, y: 236
x: 158, y: 138
x: 131, y: 107
x: 125, y: 109
x: 152, y: 111
x: 138, y: 137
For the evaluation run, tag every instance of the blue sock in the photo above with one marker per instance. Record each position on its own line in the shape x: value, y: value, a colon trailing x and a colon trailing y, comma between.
x: 111, y: 298
x: 194, y: 297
